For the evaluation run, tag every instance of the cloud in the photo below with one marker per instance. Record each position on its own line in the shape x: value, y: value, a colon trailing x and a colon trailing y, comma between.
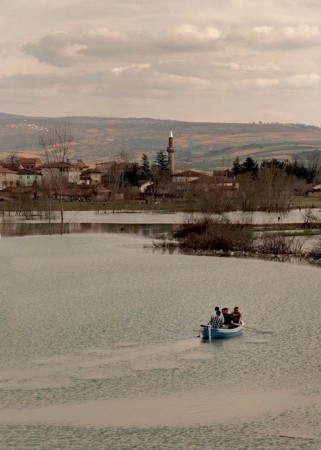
x: 309, y: 80
x: 62, y: 48
x: 131, y: 67
x: 187, y: 37
x: 93, y: 55
x: 248, y: 67
x: 297, y: 81
x: 286, y: 37
x: 191, y: 33
x: 58, y: 48
x: 264, y: 83
x: 106, y: 35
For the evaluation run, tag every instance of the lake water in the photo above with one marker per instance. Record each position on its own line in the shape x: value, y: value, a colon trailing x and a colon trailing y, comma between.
x: 139, y: 223
x: 99, y: 348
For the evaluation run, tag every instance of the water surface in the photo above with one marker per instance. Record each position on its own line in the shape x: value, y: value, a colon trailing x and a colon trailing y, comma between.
x: 99, y: 348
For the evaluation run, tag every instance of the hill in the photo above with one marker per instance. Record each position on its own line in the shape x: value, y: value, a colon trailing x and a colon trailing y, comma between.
x: 197, y: 144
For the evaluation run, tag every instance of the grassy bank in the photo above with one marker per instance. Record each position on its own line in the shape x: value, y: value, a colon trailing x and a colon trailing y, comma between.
x: 161, y: 205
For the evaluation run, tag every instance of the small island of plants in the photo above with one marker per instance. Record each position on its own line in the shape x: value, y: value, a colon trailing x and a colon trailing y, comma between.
x: 221, y: 237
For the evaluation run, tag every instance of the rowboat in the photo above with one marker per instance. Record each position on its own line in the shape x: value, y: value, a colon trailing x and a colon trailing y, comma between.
x: 220, y: 333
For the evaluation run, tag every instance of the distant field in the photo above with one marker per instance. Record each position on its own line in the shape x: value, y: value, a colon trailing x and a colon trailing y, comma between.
x: 199, y: 145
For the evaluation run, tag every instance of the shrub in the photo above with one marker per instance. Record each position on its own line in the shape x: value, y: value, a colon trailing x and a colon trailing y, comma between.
x: 215, y: 234
x: 310, y: 219
x: 279, y: 244
x: 315, y: 252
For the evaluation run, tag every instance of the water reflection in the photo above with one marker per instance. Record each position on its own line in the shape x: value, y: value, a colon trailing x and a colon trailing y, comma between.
x: 32, y: 229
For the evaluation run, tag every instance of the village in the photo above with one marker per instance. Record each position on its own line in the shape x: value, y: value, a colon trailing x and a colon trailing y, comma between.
x: 245, y: 186
x: 31, y: 178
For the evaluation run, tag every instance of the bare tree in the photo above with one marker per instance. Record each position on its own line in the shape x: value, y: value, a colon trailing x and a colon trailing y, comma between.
x: 124, y: 155
x: 161, y: 180
x: 112, y: 178
x: 275, y: 188
x: 314, y: 165
x: 248, y: 192
x: 55, y: 143
x: 270, y: 190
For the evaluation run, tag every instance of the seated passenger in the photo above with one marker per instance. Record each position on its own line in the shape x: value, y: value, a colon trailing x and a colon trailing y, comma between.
x: 236, y: 317
x: 227, y: 317
x: 217, y: 320
x: 217, y: 308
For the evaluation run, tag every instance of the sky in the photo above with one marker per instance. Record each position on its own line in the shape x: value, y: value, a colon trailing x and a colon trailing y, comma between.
x: 193, y: 60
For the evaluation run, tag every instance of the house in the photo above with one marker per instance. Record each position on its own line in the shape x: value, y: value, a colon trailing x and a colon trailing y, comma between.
x: 206, y: 181
x: 101, y: 193
x: 28, y: 177
x: 23, y: 192
x: 83, y: 166
x: 222, y: 173
x: 17, y: 162
x: 60, y: 172
x: 91, y: 176
x: 226, y: 183
x: 106, y: 165
x: 85, y: 193
x: 314, y: 191
x: 143, y: 185
x: 29, y: 163
x: 114, y: 166
x: 190, y: 175
x: 7, y: 178
x: 225, y: 179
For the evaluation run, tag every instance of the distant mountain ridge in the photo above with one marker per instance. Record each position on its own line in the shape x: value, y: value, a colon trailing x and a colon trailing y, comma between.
x: 202, y: 145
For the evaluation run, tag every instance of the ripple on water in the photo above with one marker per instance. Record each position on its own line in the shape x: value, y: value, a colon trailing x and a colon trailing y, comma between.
x: 99, y: 318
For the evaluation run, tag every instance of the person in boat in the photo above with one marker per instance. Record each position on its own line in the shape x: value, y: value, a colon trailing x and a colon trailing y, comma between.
x: 227, y: 317
x: 236, y: 317
x: 217, y: 320
x: 214, y: 314
x: 217, y: 308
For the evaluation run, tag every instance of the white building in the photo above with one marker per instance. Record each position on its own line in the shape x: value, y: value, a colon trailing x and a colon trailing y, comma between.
x: 7, y: 178
x: 60, y: 172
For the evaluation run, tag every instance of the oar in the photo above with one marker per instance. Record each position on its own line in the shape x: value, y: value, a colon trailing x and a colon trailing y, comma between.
x: 201, y: 326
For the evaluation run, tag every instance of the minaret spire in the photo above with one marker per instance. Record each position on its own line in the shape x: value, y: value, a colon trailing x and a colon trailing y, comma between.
x: 171, y: 151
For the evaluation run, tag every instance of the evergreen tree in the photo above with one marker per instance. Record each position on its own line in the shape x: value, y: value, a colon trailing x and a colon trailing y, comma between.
x: 161, y: 161
x: 297, y: 169
x: 249, y: 165
x: 237, y: 166
x: 131, y: 175
x: 145, y: 166
x: 273, y: 163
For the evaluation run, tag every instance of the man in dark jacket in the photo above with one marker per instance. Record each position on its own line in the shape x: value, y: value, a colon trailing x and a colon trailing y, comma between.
x: 227, y: 317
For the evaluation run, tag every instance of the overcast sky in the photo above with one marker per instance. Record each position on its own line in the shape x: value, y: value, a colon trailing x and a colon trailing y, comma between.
x: 195, y: 60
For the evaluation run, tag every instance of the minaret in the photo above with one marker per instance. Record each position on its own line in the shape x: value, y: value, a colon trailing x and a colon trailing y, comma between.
x: 171, y: 151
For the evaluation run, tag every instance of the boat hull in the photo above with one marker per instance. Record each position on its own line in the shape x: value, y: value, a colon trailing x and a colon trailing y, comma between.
x: 221, y: 333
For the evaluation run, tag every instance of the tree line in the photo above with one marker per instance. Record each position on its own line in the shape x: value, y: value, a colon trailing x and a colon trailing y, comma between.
x: 308, y: 169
